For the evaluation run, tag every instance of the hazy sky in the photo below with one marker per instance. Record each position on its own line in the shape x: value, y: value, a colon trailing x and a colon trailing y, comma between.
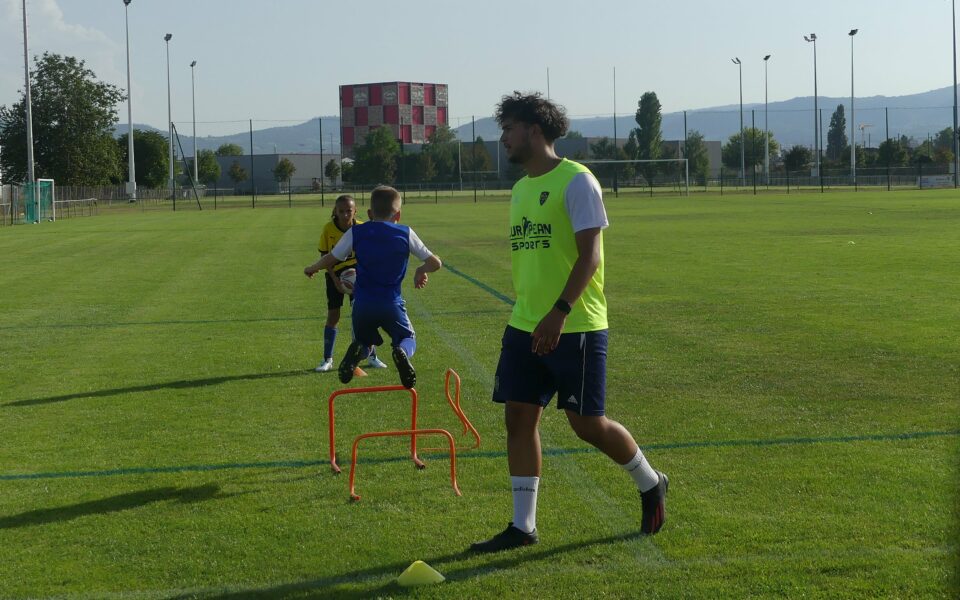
x: 282, y: 60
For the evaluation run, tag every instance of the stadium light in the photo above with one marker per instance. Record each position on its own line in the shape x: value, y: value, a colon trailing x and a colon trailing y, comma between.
x: 166, y: 38
x: 739, y: 64
x: 31, y: 176
x: 131, y: 169
x: 956, y: 132
x: 766, y: 123
x: 816, y: 121
x: 853, y: 132
x: 193, y: 99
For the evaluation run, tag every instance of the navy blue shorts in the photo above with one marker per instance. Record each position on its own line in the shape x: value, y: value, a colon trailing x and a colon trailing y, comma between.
x: 370, y: 317
x: 576, y: 371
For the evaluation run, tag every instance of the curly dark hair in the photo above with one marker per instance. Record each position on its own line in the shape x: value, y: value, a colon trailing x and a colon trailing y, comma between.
x: 534, y: 109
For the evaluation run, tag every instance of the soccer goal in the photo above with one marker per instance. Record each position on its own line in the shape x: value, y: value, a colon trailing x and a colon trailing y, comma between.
x: 38, y: 204
x: 661, y: 172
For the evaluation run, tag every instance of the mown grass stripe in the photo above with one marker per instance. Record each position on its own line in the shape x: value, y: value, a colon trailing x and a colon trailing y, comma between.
x: 298, y: 464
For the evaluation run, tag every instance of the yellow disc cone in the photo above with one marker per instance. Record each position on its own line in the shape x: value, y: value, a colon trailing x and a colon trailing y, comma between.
x: 419, y: 573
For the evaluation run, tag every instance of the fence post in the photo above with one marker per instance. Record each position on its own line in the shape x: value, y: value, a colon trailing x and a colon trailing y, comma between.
x: 721, y: 181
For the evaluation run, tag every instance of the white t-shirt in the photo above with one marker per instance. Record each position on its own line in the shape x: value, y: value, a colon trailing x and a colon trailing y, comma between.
x: 344, y: 247
x: 584, y: 203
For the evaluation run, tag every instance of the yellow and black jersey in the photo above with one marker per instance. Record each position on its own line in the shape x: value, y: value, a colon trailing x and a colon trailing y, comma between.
x: 329, y: 238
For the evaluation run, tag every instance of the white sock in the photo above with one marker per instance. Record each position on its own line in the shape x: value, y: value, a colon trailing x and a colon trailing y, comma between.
x: 641, y: 471
x: 525, y: 502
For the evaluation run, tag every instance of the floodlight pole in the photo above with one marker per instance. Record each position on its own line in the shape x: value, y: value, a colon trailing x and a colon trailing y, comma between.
x: 743, y: 161
x: 956, y: 132
x: 131, y: 168
x: 166, y: 38
x: 193, y: 98
x: 766, y: 123
x: 31, y: 175
x: 853, y: 134
x: 816, y: 122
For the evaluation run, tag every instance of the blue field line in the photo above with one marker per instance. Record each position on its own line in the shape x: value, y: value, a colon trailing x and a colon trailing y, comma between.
x: 479, y: 284
x: 152, y: 323
x: 299, y: 464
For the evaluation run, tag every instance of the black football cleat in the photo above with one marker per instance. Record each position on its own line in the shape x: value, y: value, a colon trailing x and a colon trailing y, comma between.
x: 509, y: 538
x: 654, y: 503
x: 408, y: 376
x: 350, y: 361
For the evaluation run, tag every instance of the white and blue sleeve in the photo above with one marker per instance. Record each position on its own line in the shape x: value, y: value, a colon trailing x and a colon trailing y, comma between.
x: 417, y: 247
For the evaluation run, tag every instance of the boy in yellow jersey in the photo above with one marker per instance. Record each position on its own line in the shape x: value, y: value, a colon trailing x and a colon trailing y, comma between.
x: 556, y: 340
x: 342, y: 219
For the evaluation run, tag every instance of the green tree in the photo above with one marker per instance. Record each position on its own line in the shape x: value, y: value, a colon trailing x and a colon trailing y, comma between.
x: 229, y: 150
x: 892, y: 153
x: 574, y: 135
x: 376, y: 158
x: 476, y: 158
x: 695, y: 151
x: 837, y: 135
x: 648, y: 134
x: 753, y: 150
x: 332, y: 171
x: 442, y: 149
x: 605, y: 149
x: 208, y: 169
x: 150, y: 160
x: 73, y: 119
x: 797, y: 158
x: 944, y: 139
x: 284, y: 170
x: 237, y: 173
x: 426, y: 170
x: 346, y: 169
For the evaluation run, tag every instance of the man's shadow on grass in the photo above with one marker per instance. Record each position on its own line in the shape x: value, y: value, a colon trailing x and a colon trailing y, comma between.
x: 325, y: 587
x: 120, y: 502
x: 167, y: 385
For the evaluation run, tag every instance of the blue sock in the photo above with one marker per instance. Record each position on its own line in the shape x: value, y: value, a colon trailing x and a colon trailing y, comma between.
x: 329, y: 337
x: 409, y: 345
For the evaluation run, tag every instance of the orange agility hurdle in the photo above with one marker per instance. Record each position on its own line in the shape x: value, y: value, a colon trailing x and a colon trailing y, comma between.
x: 467, y: 425
x: 454, y: 401
x: 413, y: 433
x: 373, y: 390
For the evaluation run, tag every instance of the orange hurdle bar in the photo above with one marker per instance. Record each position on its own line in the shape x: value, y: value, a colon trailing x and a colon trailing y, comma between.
x: 413, y: 433
x: 467, y: 425
x: 373, y: 390
x: 457, y: 410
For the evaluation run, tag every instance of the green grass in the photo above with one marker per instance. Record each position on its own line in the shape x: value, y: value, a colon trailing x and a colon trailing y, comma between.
x: 790, y: 361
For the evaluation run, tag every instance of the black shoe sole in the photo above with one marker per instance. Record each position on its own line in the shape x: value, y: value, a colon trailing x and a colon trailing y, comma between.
x: 663, y: 519
x: 350, y: 361
x: 408, y: 376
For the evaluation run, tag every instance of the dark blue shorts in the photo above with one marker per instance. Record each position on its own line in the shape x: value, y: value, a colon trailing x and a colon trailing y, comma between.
x: 576, y: 371
x: 370, y: 317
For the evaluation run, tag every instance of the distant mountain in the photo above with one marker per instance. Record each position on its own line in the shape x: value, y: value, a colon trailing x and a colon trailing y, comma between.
x: 302, y: 138
x: 791, y: 121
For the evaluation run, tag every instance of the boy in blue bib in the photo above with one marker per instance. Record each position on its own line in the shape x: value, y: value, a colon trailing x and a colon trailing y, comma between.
x: 382, y: 247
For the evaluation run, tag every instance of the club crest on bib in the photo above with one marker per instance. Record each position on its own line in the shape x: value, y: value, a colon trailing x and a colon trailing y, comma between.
x: 543, y: 197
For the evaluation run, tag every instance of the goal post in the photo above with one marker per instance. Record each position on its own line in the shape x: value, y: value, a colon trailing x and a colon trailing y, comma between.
x: 643, y: 168
x: 37, y: 199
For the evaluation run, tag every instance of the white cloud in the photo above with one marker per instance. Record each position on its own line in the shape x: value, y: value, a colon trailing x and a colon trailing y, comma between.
x: 49, y: 31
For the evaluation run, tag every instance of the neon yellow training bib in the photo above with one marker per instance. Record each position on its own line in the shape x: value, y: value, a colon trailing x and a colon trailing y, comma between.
x: 543, y: 249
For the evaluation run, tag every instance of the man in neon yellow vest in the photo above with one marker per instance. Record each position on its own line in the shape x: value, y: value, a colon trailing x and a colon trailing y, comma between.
x: 556, y: 340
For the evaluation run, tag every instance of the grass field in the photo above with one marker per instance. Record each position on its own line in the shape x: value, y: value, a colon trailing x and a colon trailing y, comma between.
x: 792, y: 362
